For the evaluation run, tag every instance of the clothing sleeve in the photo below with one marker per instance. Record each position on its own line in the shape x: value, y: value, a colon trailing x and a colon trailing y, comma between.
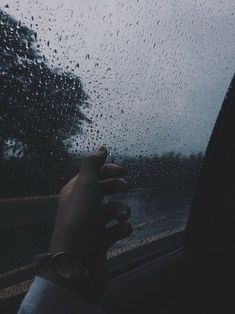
x: 45, y: 297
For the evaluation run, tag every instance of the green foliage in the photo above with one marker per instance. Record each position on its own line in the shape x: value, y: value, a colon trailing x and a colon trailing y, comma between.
x: 40, y: 107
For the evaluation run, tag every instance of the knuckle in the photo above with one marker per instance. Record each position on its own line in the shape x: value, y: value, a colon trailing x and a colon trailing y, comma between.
x: 64, y: 190
x: 89, y: 159
x: 88, y: 182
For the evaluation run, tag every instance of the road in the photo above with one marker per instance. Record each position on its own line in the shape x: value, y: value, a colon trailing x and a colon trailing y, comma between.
x: 155, y: 214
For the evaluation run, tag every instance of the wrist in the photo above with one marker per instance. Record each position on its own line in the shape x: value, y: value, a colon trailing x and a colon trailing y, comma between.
x: 81, y: 287
x: 49, y: 274
x: 66, y: 271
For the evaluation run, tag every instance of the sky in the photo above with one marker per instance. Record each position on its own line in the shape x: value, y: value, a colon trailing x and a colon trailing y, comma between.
x: 156, y: 72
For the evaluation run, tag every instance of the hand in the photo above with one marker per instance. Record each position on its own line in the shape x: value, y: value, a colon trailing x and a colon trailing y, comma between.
x: 80, y: 226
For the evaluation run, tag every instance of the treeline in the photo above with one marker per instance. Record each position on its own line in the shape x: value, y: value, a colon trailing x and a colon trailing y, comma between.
x: 23, y: 177
x: 166, y: 171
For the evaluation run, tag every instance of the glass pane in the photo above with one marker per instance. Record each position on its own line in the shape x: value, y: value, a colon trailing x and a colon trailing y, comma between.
x: 146, y: 78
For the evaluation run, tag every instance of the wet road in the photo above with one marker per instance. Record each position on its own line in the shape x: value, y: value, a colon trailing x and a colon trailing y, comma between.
x: 155, y: 214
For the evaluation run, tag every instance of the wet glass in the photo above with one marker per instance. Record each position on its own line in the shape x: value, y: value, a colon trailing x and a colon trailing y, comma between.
x: 145, y: 78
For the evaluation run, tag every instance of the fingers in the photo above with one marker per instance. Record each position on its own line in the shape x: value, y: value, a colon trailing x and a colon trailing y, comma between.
x: 116, y: 233
x: 93, y: 163
x: 112, y: 171
x: 113, y: 185
x: 115, y: 210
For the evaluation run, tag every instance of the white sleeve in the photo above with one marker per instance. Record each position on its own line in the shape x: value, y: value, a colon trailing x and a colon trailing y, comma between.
x: 45, y: 297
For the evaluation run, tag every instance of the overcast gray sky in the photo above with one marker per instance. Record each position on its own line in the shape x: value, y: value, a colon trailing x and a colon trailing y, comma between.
x: 156, y: 71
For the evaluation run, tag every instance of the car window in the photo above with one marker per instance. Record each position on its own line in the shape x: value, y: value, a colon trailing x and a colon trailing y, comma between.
x: 145, y: 78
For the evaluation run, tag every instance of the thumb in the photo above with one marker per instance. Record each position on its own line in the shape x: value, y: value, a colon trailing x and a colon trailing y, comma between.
x: 93, y: 163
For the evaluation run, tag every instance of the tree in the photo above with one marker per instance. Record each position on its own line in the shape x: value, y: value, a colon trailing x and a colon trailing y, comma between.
x: 40, y: 108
